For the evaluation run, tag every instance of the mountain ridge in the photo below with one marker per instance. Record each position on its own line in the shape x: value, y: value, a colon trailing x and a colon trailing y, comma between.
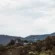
x: 4, y: 39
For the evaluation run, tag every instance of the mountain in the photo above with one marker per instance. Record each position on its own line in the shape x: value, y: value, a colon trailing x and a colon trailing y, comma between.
x: 4, y: 39
x: 38, y: 37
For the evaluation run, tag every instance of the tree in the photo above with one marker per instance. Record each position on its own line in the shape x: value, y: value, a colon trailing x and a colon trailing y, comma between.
x: 12, y: 42
x: 49, y: 42
x: 39, y: 46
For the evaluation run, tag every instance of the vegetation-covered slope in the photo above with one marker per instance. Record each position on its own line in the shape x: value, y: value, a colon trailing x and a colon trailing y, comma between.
x: 40, y: 47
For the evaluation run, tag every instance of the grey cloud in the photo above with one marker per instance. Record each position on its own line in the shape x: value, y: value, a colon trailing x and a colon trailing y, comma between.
x: 26, y: 10
x: 27, y: 19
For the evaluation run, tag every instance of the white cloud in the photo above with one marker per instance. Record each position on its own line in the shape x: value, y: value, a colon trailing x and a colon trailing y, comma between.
x: 27, y: 17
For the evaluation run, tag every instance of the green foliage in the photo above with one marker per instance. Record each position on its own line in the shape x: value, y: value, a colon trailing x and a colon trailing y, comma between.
x: 25, y: 41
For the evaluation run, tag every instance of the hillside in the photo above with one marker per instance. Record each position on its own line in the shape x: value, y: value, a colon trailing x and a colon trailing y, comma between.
x: 4, y: 39
x: 41, y: 47
x: 38, y: 37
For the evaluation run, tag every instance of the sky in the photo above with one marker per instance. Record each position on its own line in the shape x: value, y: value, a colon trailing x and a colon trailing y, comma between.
x: 27, y: 17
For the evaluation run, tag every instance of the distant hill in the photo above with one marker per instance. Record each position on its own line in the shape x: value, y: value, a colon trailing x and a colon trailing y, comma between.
x: 4, y: 39
x: 38, y: 37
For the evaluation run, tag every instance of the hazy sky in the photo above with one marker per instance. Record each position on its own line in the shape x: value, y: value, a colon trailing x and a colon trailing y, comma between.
x: 27, y: 17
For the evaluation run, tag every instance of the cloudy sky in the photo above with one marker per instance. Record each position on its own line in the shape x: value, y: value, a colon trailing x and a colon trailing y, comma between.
x: 27, y: 17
